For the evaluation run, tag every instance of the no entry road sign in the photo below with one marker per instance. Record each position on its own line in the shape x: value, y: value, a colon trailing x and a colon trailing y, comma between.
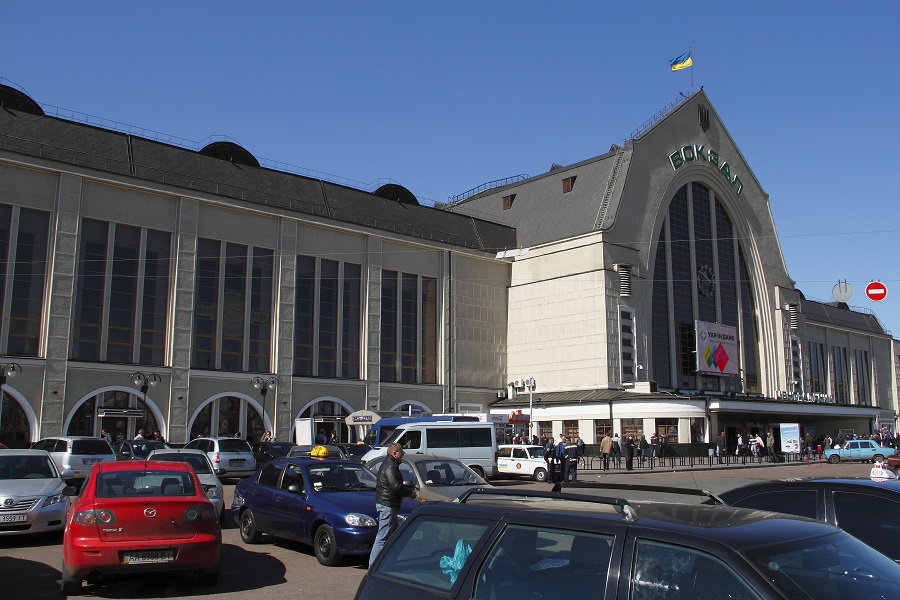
x: 876, y: 291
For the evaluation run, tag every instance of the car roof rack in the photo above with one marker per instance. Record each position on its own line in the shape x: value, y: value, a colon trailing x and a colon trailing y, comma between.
x: 621, y: 505
x: 639, y: 487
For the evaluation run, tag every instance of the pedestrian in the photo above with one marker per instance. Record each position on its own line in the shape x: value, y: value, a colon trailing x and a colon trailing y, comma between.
x: 158, y: 436
x: 740, y: 445
x: 550, y: 459
x: 644, y: 447
x: 561, y: 458
x: 105, y: 435
x: 140, y: 434
x: 389, y: 493
x: 654, y: 446
x: 571, y: 461
x: 629, y: 452
x: 321, y: 438
x: 606, y: 448
x: 333, y: 438
x: 770, y: 441
x: 581, y: 447
x: 535, y: 441
x: 721, y: 446
x: 617, y: 450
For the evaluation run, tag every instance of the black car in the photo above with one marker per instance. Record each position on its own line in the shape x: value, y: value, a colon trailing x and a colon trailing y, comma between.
x: 866, y: 508
x: 136, y: 449
x: 263, y: 452
x: 354, y: 451
x: 511, y: 544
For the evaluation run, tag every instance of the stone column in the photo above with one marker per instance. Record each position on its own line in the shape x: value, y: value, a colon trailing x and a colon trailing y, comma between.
x: 286, y: 278
x: 373, y: 324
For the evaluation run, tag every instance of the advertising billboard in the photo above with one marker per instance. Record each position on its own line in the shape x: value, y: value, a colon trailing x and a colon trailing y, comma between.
x: 790, y: 437
x: 717, y: 349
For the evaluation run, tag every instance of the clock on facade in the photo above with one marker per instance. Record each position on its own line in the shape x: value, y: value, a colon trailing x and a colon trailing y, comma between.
x: 706, y: 281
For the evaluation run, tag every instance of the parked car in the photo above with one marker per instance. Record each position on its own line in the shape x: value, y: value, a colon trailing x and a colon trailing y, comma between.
x: 867, y: 509
x: 263, y: 452
x: 136, y: 517
x: 326, y: 503
x: 435, y: 478
x: 509, y: 543
x: 231, y: 458
x: 354, y: 451
x: 136, y: 449
x: 862, y: 450
x: 304, y: 450
x: 893, y: 463
x: 75, y: 455
x: 522, y: 460
x: 198, y: 461
x: 31, y: 498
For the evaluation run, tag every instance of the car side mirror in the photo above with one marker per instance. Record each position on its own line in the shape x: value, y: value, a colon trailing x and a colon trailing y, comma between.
x: 126, y: 453
x: 295, y: 489
x: 70, y: 490
x: 409, y: 483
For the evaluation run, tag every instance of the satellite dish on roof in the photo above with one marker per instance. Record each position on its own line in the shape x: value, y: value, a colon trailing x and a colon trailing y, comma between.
x: 842, y: 292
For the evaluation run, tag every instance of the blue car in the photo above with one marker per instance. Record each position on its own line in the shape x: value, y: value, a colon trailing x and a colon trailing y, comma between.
x: 326, y: 503
x: 862, y: 450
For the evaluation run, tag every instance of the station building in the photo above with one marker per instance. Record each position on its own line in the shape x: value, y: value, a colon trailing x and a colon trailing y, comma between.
x: 151, y: 283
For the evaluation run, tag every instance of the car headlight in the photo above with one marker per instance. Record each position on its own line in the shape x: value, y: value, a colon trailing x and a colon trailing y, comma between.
x: 238, y: 500
x: 51, y: 500
x: 213, y: 492
x: 360, y: 520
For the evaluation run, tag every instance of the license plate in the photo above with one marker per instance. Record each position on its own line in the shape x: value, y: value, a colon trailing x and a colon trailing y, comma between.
x: 151, y: 556
x: 90, y: 461
x: 237, y: 462
x: 12, y: 518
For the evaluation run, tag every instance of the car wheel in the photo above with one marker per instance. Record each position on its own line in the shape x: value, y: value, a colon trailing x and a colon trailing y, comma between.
x: 834, y: 459
x: 540, y: 475
x: 249, y: 533
x: 478, y: 471
x: 326, y: 547
x: 69, y: 585
x: 878, y: 458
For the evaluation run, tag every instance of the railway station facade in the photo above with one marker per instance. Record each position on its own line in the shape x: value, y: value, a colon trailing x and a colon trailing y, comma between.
x: 197, y: 291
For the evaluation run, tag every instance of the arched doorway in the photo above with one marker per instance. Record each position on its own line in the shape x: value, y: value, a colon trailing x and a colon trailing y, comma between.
x: 122, y: 412
x: 16, y: 422
x: 325, y: 414
x: 230, y: 415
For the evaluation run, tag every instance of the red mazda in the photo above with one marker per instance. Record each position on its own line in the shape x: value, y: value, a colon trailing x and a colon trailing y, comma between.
x: 136, y: 517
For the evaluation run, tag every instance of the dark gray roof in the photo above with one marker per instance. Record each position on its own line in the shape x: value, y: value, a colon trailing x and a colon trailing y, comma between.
x: 839, y: 314
x: 113, y: 152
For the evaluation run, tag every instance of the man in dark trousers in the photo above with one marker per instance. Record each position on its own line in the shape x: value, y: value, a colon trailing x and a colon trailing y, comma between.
x: 561, y: 458
x: 389, y: 493
x: 571, y: 461
x: 550, y: 458
x: 606, y: 449
x: 629, y: 452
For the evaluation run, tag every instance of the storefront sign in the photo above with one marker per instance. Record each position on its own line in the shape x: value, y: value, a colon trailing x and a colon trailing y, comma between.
x: 708, y: 156
x: 805, y: 397
x: 717, y: 349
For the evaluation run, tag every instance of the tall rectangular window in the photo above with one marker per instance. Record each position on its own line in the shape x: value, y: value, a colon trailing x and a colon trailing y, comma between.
x: 304, y: 316
x: 389, y: 289
x: 123, y: 294
x: 155, y: 306
x: 817, y: 383
x: 328, y: 318
x: 409, y: 312
x: 350, y: 326
x: 206, y: 304
x: 5, y: 232
x: 429, y: 330
x: 90, y: 291
x: 840, y: 375
x: 861, y: 378
x: 234, y: 307
x: 261, y: 286
x: 29, y: 275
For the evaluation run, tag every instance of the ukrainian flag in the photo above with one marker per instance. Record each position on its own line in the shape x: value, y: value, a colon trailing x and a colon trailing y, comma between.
x: 682, y: 62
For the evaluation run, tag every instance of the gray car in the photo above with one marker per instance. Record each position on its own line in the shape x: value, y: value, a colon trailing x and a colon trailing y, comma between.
x: 31, y: 499
x: 435, y: 477
x: 202, y: 467
x: 75, y: 455
x: 231, y: 458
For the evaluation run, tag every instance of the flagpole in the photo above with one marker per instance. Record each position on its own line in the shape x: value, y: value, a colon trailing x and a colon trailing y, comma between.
x: 691, y: 50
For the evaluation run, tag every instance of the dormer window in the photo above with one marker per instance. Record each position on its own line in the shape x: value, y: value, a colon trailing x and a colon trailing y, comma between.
x: 508, y: 201
x: 568, y: 184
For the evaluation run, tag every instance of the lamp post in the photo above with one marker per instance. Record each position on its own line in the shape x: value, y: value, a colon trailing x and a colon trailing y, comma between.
x: 264, y: 385
x: 9, y: 371
x: 529, y: 385
x: 146, y: 381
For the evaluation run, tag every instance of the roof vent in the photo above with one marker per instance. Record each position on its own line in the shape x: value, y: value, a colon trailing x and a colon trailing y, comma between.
x: 794, y: 315
x: 397, y: 193
x: 231, y: 152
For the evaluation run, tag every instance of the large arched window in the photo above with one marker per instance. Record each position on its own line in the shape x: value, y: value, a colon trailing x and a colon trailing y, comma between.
x: 121, y: 413
x: 228, y: 416
x: 14, y: 429
x: 700, y: 274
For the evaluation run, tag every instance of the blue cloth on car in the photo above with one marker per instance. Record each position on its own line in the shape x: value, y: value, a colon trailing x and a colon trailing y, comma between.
x: 451, y: 565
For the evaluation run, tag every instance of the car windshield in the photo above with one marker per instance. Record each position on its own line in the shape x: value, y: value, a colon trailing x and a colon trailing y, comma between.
x: 447, y: 472
x: 356, y: 450
x: 92, y: 446
x: 197, y: 461
x: 837, y: 567
x: 341, y: 477
x: 116, y: 484
x: 142, y: 449
x: 27, y: 467
x: 234, y: 445
x: 280, y: 448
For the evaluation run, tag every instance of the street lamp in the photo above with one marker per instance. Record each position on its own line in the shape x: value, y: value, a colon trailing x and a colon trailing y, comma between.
x: 9, y: 371
x: 264, y: 385
x: 529, y: 385
x: 145, y: 381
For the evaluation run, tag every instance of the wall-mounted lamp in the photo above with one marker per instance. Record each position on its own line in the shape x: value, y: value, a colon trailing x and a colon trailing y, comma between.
x: 145, y: 381
x: 9, y: 371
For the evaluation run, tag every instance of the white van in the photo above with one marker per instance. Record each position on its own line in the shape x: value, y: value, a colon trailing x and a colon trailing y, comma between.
x: 472, y: 443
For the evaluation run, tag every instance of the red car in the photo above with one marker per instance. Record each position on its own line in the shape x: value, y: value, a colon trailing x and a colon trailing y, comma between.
x: 137, y: 517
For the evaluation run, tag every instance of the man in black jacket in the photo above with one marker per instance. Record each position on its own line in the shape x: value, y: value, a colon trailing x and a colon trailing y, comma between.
x: 389, y: 493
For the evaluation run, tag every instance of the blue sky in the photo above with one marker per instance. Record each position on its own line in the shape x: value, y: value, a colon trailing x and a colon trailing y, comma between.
x: 442, y: 97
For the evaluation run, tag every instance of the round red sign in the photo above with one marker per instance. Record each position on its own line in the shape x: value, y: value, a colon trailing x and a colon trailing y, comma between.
x: 876, y: 291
